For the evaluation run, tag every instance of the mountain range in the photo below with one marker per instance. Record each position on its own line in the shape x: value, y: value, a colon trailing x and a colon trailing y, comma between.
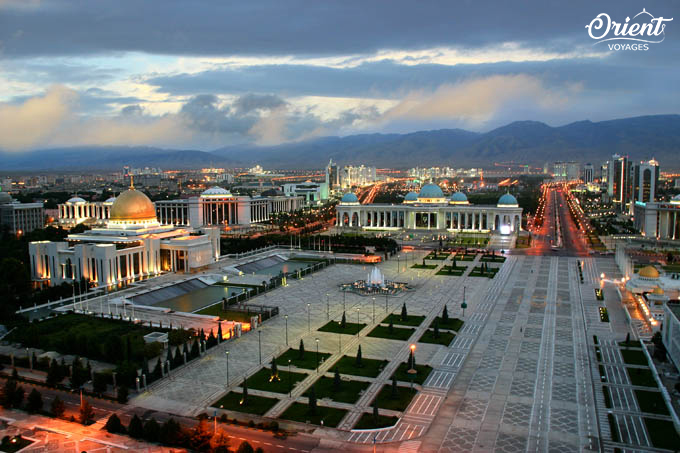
x: 526, y: 142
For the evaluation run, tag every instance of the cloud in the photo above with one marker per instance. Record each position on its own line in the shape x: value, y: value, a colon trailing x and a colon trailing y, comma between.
x: 36, y: 120
x: 250, y: 102
x: 476, y: 101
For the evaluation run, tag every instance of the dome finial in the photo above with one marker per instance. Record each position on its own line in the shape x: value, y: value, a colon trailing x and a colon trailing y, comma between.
x: 132, y: 182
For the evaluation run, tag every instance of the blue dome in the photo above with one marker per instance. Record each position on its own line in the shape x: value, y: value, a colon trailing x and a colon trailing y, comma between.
x: 411, y: 196
x: 458, y: 197
x: 431, y: 191
x: 349, y: 198
x: 507, y: 200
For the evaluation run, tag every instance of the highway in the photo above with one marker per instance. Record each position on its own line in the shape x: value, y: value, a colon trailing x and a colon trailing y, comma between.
x: 558, y: 235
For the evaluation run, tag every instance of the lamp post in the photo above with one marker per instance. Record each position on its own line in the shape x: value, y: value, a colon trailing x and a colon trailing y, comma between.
x: 328, y: 307
x: 259, y: 344
x: 412, y: 371
x: 286, y: 318
x: 344, y: 294
x: 358, y: 322
x: 339, y: 340
x: 227, y: 354
x: 309, y: 319
x: 317, y: 355
x: 387, y: 295
x: 373, y: 310
x: 290, y: 384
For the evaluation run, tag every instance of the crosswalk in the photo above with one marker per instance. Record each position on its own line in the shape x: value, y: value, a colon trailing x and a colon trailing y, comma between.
x: 440, y: 379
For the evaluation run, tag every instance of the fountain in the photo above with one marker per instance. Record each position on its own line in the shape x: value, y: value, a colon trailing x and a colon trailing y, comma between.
x: 375, y: 284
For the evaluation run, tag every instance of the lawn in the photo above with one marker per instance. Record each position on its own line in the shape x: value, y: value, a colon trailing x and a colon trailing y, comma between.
x: 445, y: 338
x: 367, y: 421
x: 641, y: 376
x: 398, y: 333
x: 450, y: 324
x: 260, y: 380
x: 258, y: 405
x: 468, y: 257
x: 489, y: 273
x: 634, y: 357
x: 438, y: 257
x: 308, y: 361
x: 663, y: 433
x: 631, y: 344
x: 411, y: 320
x: 400, y: 403
x: 369, y: 367
x: 351, y: 328
x: 426, y: 266
x: 455, y: 272
x: 651, y: 402
x: 493, y: 258
x: 423, y: 371
x: 299, y: 412
x: 348, y: 392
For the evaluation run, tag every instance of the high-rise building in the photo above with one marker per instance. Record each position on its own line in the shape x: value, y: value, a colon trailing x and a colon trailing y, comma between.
x: 619, y: 181
x: 588, y: 173
x: 566, y: 171
x: 332, y: 175
x: 604, y: 173
x: 357, y: 176
x: 645, y: 181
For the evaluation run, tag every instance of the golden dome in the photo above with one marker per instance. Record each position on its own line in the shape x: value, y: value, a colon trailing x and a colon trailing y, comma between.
x: 132, y: 205
x: 658, y: 291
x: 649, y: 272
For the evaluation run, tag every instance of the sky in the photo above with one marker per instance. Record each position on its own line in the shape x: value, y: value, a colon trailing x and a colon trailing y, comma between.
x: 208, y: 74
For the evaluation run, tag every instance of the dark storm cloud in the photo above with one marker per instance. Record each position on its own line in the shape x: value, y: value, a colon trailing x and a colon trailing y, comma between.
x: 297, y: 27
x: 250, y: 102
x: 204, y: 114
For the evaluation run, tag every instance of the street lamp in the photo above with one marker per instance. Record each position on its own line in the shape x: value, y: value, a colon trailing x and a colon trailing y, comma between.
x: 358, y: 322
x: 339, y: 339
x: 290, y: 384
x: 344, y: 293
x: 328, y: 307
x: 387, y: 295
x: 317, y: 355
x: 373, y: 310
x: 412, y: 371
x: 227, y: 354
x: 286, y: 318
x: 259, y: 344
x: 309, y: 319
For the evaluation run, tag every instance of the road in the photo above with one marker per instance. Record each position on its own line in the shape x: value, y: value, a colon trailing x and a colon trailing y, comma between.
x: 104, y: 408
x: 556, y: 213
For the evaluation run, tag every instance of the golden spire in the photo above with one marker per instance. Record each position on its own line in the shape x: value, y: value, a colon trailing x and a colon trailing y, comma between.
x: 132, y: 182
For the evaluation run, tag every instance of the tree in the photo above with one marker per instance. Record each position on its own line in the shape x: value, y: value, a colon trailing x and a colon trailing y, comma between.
x: 194, y: 350
x: 86, y: 413
x: 12, y: 394
x: 54, y: 373
x: 245, y: 447
x: 436, y: 328
x: 274, y: 372
x: 57, y: 408
x: 390, y: 327
x: 312, y: 401
x: 151, y: 430
x: 170, y: 432
x: 35, y: 401
x: 122, y: 394
x: 114, y: 425
x: 404, y: 313
x: 357, y: 361
x: 135, y: 428
x: 394, y: 392
x: 219, y: 332
x: 343, y: 321
x: 411, y: 359
x: 336, y: 380
x: 99, y: 383
x: 301, y: 350
x: 244, y: 397
x: 76, y: 374
x: 445, y: 315
x: 627, y: 338
x: 157, y: 372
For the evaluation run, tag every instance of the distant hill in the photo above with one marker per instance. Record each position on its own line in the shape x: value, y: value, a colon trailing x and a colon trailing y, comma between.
x: 529, y: 142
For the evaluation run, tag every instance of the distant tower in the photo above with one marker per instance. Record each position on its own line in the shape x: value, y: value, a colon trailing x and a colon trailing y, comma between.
x: 645, y: 182
x: 588, y: 173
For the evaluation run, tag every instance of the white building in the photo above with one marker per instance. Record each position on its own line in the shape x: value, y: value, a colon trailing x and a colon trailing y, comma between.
x: 77, y: 210
x: 20, y: 217
x: 658, y: 219
x: 312, y: 192
x: 132, y: 245
x: 430, y: 210
x: 219, y: 207
x: 566, y: 171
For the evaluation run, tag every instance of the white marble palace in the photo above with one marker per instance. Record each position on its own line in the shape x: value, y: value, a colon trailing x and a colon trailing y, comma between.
x: 431, y: 210
x: 131, y: 245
